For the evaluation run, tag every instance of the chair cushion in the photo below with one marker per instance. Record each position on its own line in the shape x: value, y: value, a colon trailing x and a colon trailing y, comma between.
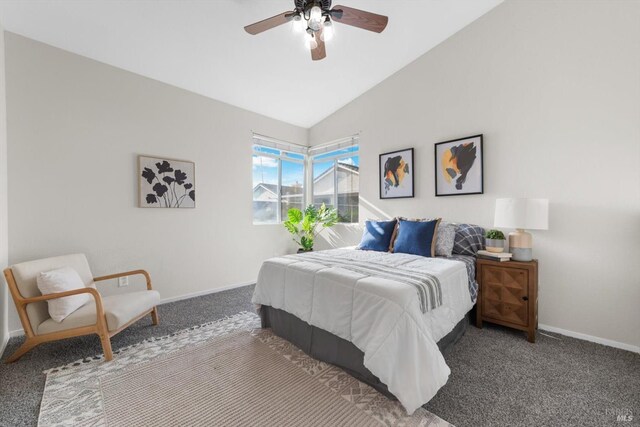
x: 62, y: 280
x: 119, y: 310
x: 26, y: 274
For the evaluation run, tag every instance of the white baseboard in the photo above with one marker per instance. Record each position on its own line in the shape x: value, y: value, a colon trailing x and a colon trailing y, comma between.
x: 585, y: 337
x: 20, y: 332
x: 205, y: 292
x: 3, y: 344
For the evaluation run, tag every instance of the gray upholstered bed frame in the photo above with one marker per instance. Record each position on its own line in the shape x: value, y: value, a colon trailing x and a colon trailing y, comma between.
x: 330, y: 348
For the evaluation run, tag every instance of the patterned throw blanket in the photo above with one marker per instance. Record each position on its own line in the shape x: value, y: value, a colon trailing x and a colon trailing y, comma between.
x: 426, y: 285
x: 470, y: 263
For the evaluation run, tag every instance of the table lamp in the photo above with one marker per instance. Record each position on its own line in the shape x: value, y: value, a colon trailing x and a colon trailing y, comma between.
x: 521, y: 214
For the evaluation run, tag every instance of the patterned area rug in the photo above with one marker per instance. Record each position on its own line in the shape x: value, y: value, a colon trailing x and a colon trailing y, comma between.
x: 229, y: 372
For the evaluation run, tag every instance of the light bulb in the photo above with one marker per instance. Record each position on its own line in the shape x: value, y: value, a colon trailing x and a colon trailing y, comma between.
x: 310, y: 41
x: 299, y: 24
x: 315, y: 14
x: 315, y: 18
x: 327, y: 31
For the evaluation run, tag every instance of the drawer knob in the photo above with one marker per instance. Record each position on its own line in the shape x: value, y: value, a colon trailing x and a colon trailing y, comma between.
x: 525, y: 298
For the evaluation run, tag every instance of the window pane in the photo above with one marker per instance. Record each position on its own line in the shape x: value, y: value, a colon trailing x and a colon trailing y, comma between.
x: 292, y: 188
x: 265, y: 190
x: 323, y: 183
x: 348, y: 188
x: 345, y: 173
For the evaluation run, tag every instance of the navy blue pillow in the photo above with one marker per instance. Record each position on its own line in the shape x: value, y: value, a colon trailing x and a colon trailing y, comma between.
x: 377, y: 235
x: 416, y: 237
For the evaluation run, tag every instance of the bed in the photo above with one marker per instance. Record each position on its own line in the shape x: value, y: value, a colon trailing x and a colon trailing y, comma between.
x: 383, y: 317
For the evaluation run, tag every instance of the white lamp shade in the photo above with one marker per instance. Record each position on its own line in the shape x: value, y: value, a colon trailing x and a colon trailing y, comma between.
x: 529, y: 214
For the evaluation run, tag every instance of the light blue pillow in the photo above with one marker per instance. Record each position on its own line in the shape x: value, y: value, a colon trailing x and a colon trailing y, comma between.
x: 416, y: 237
x: 377, y: 235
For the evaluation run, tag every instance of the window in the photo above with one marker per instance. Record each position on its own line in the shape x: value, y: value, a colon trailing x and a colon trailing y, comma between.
x: 278, y: 183
x: 336, y: 181
x: 280, y: 177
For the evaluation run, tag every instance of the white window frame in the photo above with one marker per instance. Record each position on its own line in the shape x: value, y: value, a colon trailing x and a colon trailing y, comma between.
x: 336, y: 159
x: 279, y: 158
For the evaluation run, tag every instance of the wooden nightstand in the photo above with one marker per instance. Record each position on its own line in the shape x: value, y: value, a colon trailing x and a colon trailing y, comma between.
x: 508, y: 294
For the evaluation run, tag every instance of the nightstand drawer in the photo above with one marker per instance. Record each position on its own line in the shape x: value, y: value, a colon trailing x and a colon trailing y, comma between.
x: 505, y: 294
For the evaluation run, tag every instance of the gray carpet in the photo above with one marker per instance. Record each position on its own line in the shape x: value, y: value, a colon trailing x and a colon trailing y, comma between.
x: 498, y: 378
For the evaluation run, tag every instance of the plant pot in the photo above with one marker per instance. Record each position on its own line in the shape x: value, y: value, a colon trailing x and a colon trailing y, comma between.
x: 303, y: 251
x: 494, y: 245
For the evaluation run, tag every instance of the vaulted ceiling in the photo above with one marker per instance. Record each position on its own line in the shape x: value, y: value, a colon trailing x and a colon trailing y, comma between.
x: 201, y: 46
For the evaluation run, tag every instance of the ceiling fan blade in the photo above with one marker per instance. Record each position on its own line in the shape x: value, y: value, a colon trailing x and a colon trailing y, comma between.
x: 269, y: 23
x: 320, y: 51
x: 359, y: 18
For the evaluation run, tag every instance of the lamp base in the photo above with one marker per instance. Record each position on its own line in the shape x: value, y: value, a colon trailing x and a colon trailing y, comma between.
x: 520, y: 243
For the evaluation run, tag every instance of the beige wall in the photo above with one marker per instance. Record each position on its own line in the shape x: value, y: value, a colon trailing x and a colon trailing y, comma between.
x: 75, y: 129
x: 4, y: 330
x: 555, y: 88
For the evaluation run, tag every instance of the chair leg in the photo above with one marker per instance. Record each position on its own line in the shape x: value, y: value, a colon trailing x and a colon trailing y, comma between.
x: 106, y: 347
x: 154, y: 316
x: 24, y: 348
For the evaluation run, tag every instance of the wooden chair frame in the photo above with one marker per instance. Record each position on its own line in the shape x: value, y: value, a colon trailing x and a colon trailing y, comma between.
x: 100, y: 328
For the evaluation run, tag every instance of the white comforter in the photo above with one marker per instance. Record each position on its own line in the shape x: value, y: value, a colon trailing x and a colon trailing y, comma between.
x: 381, y: 317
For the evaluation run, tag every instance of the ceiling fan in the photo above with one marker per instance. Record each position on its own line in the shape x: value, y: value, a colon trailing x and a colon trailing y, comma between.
x: 316, y: 18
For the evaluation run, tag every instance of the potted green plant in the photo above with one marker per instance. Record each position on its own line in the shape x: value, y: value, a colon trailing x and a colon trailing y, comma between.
x: 494, y: 241
x: 305, y: 226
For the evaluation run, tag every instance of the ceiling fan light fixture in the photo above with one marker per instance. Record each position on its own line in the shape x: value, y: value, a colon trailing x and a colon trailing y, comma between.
x: 314, y: 25
x: 299, y: 24
x: 327, y: 34
x: 310, y: 40
x: 315, y: 14
x: 328, y: 30
x: 315, y: 18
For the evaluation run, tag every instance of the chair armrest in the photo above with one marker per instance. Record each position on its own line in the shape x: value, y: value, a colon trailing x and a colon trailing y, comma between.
x: 126, y: 273
x: 96, y: 295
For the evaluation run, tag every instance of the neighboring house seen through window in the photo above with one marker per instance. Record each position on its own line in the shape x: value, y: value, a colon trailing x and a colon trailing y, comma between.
x: 336, y: 182
x: 278, y: 184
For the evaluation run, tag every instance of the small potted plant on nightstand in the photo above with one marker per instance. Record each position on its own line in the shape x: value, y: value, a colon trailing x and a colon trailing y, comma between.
x: 494, y: 241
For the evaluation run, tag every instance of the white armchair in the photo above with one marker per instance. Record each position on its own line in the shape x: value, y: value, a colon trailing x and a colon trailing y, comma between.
x: 103, y: 315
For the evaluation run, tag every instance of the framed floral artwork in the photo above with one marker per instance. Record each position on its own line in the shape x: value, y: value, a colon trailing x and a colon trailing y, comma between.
x: 459, y: 166
x: 396, y: 174
x: 166, y: 183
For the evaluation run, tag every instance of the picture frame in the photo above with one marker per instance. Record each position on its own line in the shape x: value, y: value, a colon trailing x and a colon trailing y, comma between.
x: 459, y: 166
x: 166, y: 183
x: 393, y: 169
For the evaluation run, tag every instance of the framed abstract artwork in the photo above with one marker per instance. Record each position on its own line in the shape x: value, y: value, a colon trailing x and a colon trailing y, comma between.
x: 166, y: 183
x: 458, y: 166
x: 396, y: 174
